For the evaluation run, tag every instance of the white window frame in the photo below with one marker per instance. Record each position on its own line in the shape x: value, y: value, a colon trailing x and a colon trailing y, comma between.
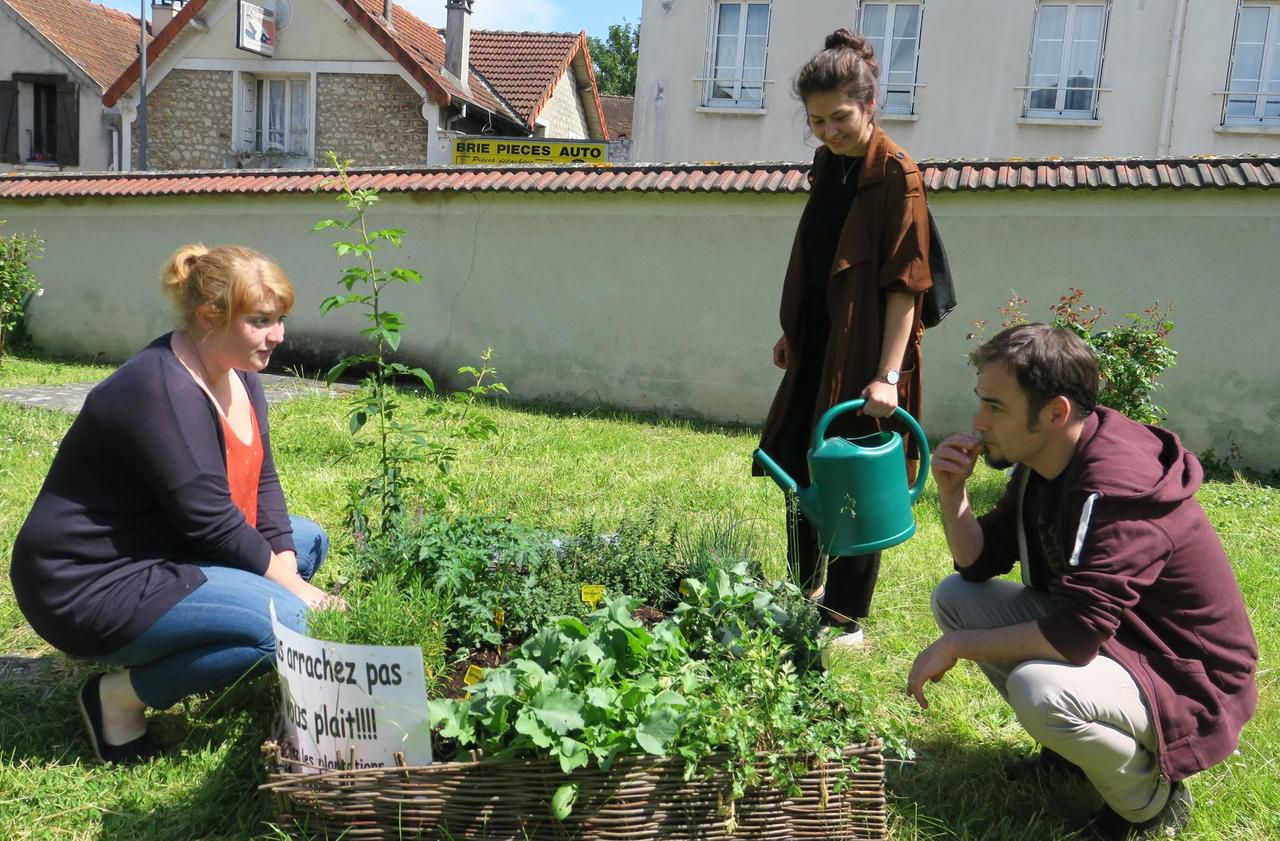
x: 709, y: 99
x: 1060, y: 111
x: 1262, y: 93
x: 254, y: 140
x: 885, y: 55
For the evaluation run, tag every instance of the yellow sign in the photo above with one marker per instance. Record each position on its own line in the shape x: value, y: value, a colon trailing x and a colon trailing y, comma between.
x: 528, y: 150
x: 474, y: 675
x: 592, y: 594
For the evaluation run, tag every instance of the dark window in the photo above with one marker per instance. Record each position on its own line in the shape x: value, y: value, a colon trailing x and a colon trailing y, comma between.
x: 44, y: 137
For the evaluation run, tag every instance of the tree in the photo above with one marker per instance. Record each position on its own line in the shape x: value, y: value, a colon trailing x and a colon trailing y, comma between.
x: 615, y: 59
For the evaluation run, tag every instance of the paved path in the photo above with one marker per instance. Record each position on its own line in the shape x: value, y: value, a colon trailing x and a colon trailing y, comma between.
x: 69, y: 398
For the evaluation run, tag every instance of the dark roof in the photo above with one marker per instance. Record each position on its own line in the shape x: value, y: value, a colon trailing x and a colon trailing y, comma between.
x: 617, y: 111
x: 99, y: 40
x: 1237, y: 172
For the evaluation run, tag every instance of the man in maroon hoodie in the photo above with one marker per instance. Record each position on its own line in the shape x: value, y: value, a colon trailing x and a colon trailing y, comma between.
x: 1126, y: 650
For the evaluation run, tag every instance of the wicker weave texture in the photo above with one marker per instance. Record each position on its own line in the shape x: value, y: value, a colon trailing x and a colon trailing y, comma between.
x: 638, y: 798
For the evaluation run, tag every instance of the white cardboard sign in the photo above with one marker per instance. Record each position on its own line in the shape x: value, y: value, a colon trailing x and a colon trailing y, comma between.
x: 336, y: 697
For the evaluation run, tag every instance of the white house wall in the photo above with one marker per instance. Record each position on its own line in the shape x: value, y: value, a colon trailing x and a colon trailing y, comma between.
x: 22, y: 52
x: 563, y: 112
x: 316, y: 33
x: 669, y: 302
x: 973, y: 58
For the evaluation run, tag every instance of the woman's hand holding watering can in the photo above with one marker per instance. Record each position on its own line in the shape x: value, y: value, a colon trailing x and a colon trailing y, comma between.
x: 953, y: 462
x: 881, y: 397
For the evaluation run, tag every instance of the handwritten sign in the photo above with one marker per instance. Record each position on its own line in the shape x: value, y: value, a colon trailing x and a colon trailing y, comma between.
x: 350, y: 705
x: 592, y: 594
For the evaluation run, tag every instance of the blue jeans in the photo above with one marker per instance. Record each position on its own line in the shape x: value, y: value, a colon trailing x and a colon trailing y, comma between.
x: 221, y: 633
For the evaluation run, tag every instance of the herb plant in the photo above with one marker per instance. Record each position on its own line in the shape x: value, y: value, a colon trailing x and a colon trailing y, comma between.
x: 398, y: 444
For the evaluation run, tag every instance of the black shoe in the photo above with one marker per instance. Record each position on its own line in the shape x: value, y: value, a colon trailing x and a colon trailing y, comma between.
x: 1167, y: 823
x: 135, y: 752
x: 1042, y: 766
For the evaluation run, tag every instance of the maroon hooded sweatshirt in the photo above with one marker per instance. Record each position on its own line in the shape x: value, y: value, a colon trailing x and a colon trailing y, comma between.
x: 1139, y: 575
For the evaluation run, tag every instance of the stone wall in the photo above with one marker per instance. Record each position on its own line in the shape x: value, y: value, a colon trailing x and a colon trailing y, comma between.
x: 188, y: 121
x: 372, y: 120
x: 563, y: 111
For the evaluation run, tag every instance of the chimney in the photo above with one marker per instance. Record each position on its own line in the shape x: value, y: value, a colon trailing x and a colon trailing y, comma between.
x: 457, y: 39
x: 163, y: 11
x: 387, y: 6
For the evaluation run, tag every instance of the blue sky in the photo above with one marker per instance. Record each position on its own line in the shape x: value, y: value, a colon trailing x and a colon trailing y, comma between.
x: 533, y: 15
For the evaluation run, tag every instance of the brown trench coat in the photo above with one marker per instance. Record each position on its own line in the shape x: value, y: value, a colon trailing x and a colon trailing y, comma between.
x: 883, y: 247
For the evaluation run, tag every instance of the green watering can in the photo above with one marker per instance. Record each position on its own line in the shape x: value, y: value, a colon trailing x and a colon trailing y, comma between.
x: 859, y: 500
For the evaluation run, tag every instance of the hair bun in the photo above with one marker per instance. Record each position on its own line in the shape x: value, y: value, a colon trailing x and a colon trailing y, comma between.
x: 844, y: 38
x: 179, y: 268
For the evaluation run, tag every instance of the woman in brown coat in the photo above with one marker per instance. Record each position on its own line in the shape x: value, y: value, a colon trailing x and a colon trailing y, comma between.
x: 850, y: 303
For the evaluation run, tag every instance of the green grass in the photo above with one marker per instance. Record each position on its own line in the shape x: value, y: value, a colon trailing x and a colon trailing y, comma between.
x: 551, y: 469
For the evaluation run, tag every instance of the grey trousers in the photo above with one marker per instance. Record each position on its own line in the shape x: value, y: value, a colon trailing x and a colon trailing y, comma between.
x: 1092, y: 715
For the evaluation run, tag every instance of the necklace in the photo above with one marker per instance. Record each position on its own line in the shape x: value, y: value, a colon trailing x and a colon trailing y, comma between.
x: 846, y: 172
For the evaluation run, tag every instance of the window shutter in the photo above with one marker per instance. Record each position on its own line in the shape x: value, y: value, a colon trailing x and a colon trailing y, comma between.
x: 248, y: 112
x: 9, y: 122
x: 68, y: 119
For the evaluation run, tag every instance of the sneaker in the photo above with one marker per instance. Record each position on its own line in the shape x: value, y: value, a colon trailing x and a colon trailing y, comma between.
x: 1167, y: 823
x: 839, y: 638
x: 1041, y: 767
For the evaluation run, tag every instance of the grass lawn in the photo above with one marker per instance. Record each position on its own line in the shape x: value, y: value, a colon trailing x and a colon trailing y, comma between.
x: 551, y: 469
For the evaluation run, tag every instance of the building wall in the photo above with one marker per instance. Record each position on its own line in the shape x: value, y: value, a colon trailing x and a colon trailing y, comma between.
x: 386, y: 129
x: 692, y: 334
x: 22, y: 52
x: 316, y: 33
x: 188, y: 121
x: 564, y: 113
x: 973, y: 57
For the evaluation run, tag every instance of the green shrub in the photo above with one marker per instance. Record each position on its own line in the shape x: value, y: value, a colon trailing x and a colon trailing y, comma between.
x: 1131, y: 357
x: 17, y: 282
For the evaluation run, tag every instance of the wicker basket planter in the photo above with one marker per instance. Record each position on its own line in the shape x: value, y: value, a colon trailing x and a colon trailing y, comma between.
x: 638, y: 798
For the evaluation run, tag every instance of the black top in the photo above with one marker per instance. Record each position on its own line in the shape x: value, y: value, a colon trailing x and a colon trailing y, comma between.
x: 824, y: 215
x: 136, y: 496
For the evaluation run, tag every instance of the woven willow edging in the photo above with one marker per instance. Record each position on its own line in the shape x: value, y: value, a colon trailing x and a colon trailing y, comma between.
x: 637, y: 798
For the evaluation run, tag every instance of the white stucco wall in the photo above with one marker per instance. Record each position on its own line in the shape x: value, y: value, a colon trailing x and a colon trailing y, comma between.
x: 563, y: 112
x: 973, y: 55
x: 669, y: 302
x: 22, y: 52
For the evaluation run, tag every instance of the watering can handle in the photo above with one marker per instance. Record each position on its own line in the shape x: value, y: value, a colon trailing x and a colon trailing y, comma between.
x: 820, y: 434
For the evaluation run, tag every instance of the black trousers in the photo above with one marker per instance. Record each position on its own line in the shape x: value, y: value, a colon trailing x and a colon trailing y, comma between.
x: 850, y: 581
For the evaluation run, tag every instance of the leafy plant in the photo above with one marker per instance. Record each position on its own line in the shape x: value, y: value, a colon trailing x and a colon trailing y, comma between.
x: 616, y: 59
x: 398, y: 444
x: 1131, y: 357
x: 717, y: 686
x: 17, y: 282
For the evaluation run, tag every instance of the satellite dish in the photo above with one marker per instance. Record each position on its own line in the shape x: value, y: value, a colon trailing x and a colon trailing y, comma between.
x: 284, y: 13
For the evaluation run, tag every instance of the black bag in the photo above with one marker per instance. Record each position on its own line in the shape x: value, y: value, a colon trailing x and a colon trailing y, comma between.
x: 939, y: 299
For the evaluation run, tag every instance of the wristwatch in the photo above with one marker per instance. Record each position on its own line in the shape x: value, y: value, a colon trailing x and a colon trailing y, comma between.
x: 890, y: 376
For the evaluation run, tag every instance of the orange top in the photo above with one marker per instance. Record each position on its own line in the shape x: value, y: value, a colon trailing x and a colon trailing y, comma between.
x: 244, y: 466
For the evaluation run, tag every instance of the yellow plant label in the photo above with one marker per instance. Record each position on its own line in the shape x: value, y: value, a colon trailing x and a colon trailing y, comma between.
x: 592, y: 594
x: 474, y: 675
x: 499, y: 617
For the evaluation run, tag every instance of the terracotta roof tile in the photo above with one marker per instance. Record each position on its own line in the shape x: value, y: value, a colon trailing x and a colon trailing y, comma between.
x: 1233, y: 172
x: 101, y: 41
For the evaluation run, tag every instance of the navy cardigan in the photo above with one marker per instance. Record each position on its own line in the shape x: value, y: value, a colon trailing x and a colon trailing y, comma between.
x: 135, y: 498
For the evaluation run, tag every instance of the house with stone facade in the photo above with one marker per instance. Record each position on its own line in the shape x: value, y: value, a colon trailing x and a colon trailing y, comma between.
x: 57, y: 58
x: 365, y: 79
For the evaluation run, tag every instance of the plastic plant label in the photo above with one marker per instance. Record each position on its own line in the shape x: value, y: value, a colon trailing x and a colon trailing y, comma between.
x: 474, y: 675
x: 499, y: 617
x: 350, y: 706
x: 592, y: 594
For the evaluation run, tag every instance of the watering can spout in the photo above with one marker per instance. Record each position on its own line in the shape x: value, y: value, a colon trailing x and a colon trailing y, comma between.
x: 806, y: 498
